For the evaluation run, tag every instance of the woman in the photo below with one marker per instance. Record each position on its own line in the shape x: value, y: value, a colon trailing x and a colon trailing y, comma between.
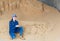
x: 14, y: 27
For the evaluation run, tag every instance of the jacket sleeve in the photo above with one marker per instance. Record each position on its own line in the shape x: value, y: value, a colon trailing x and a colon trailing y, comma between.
x: 17, y: 23
x: 11, y: 26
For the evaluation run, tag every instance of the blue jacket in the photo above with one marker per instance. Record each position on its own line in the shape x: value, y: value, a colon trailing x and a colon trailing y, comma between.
x: 12, y: 25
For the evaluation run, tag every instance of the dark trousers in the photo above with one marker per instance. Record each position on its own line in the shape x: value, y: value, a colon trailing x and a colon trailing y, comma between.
x: 19, y: 30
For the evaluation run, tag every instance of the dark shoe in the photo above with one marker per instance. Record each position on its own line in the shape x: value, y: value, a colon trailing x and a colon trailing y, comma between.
x: 22, y: 38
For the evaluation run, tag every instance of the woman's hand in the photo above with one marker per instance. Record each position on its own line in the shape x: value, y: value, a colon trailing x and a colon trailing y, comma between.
x: 17, y: 25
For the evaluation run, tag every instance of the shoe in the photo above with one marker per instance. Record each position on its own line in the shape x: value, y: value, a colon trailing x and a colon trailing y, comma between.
x: 22, y: 38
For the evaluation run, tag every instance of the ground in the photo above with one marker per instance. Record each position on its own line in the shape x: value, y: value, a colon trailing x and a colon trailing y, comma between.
x: 38, y: 25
